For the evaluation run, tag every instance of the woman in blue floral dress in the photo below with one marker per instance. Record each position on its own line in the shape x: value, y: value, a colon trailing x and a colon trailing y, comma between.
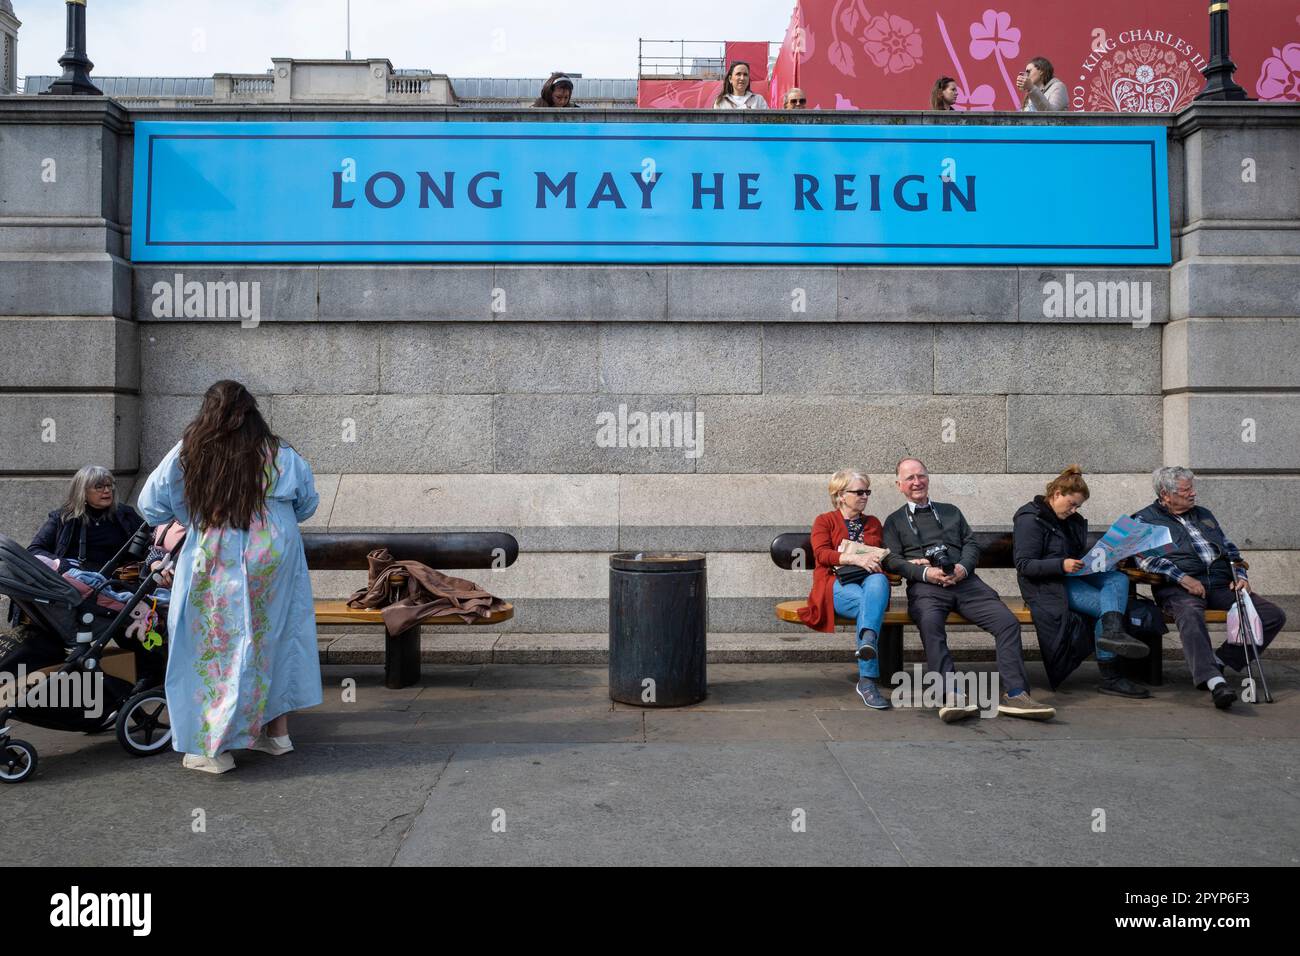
x: 243, y: 632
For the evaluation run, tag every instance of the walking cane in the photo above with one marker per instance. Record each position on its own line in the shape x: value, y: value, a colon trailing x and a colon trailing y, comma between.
x: 1248, y: 638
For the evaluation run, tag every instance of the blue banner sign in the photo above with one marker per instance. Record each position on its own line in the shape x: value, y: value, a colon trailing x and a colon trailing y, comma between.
x: 649, y: 192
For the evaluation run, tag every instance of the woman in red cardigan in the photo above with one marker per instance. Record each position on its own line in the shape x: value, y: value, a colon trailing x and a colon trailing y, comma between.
x: 866, y: 601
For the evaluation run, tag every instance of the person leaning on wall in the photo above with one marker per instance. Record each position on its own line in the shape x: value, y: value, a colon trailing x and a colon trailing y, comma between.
x: 736, y: 94
x: 1044, y: 93
x: 944, y: 93
x: 557, y: 92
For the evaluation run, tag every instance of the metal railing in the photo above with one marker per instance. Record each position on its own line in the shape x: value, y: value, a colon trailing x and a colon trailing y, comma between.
x: 687, y: 59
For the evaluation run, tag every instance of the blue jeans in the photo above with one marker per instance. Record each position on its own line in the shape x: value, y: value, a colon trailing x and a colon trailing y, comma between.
x: 866, y: 602
x: 1094, y: 595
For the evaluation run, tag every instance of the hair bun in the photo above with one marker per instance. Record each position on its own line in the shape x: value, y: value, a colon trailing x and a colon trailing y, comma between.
x: 1072, y: 470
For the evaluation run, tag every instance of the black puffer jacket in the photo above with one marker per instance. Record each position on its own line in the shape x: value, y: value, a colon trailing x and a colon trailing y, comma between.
x: 1041, y: 543
x: 62, y: 538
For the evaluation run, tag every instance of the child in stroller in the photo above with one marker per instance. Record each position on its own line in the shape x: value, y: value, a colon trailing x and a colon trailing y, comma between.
x: 66, y: 623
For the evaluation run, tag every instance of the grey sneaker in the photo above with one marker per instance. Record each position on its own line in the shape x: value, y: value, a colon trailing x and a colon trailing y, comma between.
x: 956, y: 708
x: 871, y: 695
x: 1022, y: 705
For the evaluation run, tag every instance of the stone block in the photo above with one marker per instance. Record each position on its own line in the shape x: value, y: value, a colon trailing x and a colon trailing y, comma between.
x: 1219, y: 186
x: 752, y: 293
x: 73, y: 352
x: 63, y: 432
x: 1046, y: 360
x: 709, y: 502
x: 1247, y: 507
x: 184, y: 358
x: 782, y: 434
x: 1083, y: 296
x: 1232, y: 353
x: 55, y: 236
x: 410, y: 293
x: 882, y: 359
x: 388, y: 433
x: 1219, y: 238
x: 662, y: 358
x: 582, y: 434
x: 1236, y: 432
x: 25, y: 503
x: 927, y: 294
x: 71, y: 155
x: 65, y: 284
x: 581, y: 293
x: 469, y: 357
x: 549, y: 512
x: 1222, y: 286
x: 194, y: 293
x: 1101, y: 433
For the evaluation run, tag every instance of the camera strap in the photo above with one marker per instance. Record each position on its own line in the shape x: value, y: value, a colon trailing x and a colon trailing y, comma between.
x: 937, y: 520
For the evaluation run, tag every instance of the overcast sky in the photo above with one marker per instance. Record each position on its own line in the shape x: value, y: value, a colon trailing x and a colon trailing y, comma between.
x: 456, y: 37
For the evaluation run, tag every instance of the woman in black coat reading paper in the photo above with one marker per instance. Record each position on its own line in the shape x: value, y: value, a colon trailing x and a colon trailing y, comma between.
x: 1072, y: 612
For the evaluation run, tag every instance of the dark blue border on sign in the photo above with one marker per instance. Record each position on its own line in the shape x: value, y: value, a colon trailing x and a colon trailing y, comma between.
x: 1149, y: 144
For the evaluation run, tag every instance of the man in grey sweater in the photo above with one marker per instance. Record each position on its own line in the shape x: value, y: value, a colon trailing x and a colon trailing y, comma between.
x: 933, y: 548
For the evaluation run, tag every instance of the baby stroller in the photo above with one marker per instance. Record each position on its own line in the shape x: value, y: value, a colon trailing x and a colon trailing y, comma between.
x: 73, y: 622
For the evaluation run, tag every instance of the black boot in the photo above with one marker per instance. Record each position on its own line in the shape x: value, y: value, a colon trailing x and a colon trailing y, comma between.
x: 1113, y: 683
x: 1118, y: 641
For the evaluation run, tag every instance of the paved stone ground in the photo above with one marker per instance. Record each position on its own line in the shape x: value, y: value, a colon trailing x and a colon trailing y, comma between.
x: 419, y: 776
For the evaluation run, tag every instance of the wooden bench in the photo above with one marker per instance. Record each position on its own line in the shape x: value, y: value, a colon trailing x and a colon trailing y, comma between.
x: 792, y: 551
x: 438, y: 550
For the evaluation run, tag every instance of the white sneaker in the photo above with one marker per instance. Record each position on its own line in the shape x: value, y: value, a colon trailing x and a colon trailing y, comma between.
x: 276, y: 746
x: 221, y: 763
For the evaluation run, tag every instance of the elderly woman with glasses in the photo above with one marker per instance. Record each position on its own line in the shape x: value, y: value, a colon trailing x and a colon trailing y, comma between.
x: 849, y: 584
x: 89, y: 527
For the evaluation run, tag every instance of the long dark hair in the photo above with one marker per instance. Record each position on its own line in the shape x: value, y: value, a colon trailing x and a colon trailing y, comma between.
x: 726, y: 82
x: 227, y: 456
x: 936, y: 99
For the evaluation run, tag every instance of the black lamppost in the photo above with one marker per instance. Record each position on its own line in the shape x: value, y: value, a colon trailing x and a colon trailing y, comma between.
x: 76, y: 65
x: 1219, y: 84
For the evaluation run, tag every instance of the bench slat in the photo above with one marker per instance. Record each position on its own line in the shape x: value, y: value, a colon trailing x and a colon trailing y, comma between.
x: 789, y: 611
x: 338, y: 612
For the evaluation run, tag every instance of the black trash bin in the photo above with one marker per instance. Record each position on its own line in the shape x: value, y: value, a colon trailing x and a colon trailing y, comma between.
x: 658, y: 620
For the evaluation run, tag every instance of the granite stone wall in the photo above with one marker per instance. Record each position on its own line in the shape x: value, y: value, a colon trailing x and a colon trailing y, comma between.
x: 472, y: 397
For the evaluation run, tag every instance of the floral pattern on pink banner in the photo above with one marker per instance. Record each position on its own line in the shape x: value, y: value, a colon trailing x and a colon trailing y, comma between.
x: 892, y: 43
x: 995, y: 36
x: 1279, y: 78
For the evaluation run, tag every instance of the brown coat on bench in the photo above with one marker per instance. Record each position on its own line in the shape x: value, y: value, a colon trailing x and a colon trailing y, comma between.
x: 429, y: 594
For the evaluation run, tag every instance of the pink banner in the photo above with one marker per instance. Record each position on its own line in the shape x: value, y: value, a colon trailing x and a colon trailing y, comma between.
x: 686, y: 94
x: 1113, y: 55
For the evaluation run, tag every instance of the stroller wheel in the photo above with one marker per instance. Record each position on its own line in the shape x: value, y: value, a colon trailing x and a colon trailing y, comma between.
x: 144, y: 724
x: 17, y: 761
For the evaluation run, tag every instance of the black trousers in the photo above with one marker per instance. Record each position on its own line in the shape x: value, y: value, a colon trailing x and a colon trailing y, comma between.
x: 928, y: 605
x: 1188, y: 612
